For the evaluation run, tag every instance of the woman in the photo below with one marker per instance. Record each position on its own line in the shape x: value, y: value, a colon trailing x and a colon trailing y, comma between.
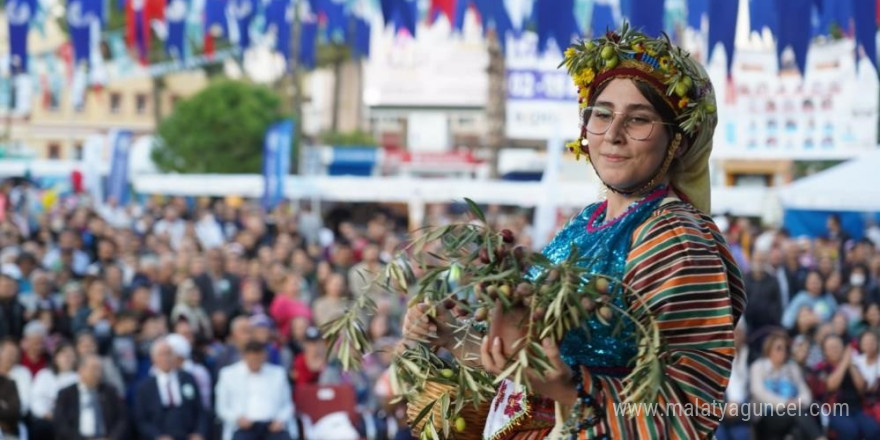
x: 775, y: 380
x: 814, y: 297
x: 868, y: 363
x: 333, y: 301
x: 845, y: 385
x: 45, y: 389
x: 188, y: 308
x: 650, y: 147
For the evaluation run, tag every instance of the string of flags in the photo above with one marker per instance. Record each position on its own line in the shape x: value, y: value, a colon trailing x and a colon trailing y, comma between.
x: 194, y: 29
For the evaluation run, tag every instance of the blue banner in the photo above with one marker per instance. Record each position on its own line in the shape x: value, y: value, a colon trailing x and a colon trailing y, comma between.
x: 216, y: 25
x: 555, y: 19
x: 866, y: 28
x: 243, y: 11
x: 722, y: 27
x: 278, y: 21
x: 117, y: 182
x: 80, y: 15
x: 796, y: 30
x: 648, y: 17
x: 308, y: 43
x: 696, y: 10
x: 19, y: 13
x: 276, y: 162
x: 176, y: 13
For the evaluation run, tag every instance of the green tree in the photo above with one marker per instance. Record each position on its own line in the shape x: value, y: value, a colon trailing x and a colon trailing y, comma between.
x: 218, y: 130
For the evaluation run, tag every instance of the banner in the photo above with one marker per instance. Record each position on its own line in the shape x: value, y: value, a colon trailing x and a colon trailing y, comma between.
x: 93, y: 155
x: 540, y: 96
x: 117, y: 183
x: 19, y: 13
x: 276, y: 161
x: 175, y: 15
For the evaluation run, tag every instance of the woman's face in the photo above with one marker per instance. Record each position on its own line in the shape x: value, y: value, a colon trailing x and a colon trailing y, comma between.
x: 97, y: 293
x: 814, y: 283
x: 872, y: 315
x: 65, y: 359
x: 800, y: 351
x: 619, y: 160
x: 778, y: 352
x: 868, y: 344
x: 833, y: 350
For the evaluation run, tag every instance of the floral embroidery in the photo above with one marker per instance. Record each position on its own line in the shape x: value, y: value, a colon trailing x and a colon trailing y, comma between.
x: 514, y: 404
x: 501, y: 390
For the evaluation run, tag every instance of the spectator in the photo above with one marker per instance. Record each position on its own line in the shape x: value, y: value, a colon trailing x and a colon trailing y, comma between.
x: 764, y: 309
x: 240, y: 334
x: 67, y: 254
x: 220, y: 289
x: 308, y: 365
x: 97, y: 316
x: 853, y: 308
x: 251, y: 298
x: 33, y: 356
x: 168, y: 405
x: 181, y: 347
x: 12, y: 313
x: 10, y: 409
x: 188, y: 308
x: 87, y: 345
x: 124, y: 347
x: 734, y: 425
x: 90, y: 409
x: 822, y: 303
x: 871, y: 320
x: 868, y: 360
x: 263, y: 332
x: 49, y: 381
x: 288, y: 303
x: 11, y: 369
x: 74, y: 306
x: 846, y: 385
x: 333, y: 302
x: 43, y: 296
x: 775, y: 380
x: 253, y: 398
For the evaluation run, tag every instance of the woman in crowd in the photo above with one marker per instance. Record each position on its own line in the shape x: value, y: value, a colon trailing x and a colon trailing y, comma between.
x: 189, y: 308
x: 814, y: 297
x: 775, y: 380
x: 50, y: 380
x: 844, y: 389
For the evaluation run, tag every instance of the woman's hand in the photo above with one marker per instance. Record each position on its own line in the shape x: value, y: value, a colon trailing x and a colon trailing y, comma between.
x: 418, y: 326
x: 555, y: 384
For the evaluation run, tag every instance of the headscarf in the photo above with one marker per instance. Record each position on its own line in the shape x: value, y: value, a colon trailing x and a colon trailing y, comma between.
x: 677, y: 77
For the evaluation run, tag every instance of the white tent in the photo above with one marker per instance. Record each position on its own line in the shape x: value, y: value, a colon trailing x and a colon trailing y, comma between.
x: 850, y: 186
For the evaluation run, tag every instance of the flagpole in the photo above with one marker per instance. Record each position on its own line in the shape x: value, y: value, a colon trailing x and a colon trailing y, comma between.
x: 296, y: 74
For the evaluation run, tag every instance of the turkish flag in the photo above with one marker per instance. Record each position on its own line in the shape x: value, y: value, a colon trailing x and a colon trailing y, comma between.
x: 446, y: 7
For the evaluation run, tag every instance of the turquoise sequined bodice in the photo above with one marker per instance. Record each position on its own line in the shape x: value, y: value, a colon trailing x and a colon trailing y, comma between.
x: 604, y: 248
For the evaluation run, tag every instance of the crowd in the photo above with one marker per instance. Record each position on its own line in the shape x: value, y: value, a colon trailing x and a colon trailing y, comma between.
x: 199, y: 319
x: 188, y: 318
x: 809, y: 338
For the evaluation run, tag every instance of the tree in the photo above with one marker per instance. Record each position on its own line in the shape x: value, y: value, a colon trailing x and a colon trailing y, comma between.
x: 218, y: 130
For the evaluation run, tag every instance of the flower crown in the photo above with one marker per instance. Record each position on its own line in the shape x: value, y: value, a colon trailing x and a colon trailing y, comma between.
x: 630, y: 53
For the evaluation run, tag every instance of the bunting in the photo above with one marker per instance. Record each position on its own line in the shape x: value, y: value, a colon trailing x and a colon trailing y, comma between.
x: 19, y: 14
x: 866, y: 28
x: 554, y: 20
x: 793, y: 30
x: 722, y: 27
x: 175, y: 14
x: 697, y: 9
x: 442, y: 7
x: 605, y: 17
x: 80, y: 15
x: 764, y: 14
x: 243, y: 13
x: 648, y: 17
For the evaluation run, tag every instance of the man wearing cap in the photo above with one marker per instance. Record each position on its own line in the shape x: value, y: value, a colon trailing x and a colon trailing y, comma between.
x: 253, y: 398
x: 11, y: 311
x: 168, y: 406
x: 308, y: 365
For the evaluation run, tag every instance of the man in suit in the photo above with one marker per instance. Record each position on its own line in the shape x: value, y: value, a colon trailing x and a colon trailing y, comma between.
x: 10, y: 409
x: 90, y: 409
x: 253, y: 398
x: 168, y: 406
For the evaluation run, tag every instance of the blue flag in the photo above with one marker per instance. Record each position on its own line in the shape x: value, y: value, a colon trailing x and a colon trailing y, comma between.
x: 117, y: 183
x: 80, y: 15
x: 648, y: 17
x: 722, y: 27
x: 276, y: 162
x: 795, y: 30
x: 243, y: 11
x: 555, y: 19
x: 866, y: 28
x: 216, y: 24
x: 278, y: 21
x: 696, y: 10
x: 19, y: 13
x: 176, y: 12
x: 307, y: 43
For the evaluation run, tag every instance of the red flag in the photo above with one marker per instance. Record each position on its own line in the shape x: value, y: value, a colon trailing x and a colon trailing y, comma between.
x: 76, y: 181
x: 446, y: 7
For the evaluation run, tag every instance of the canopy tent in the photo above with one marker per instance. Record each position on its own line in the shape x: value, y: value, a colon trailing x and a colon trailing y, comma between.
x: 850, y: 190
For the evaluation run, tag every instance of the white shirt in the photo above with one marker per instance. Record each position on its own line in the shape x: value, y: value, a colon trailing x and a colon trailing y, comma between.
x: 260, y: 397
x: 45, y: 390
x: 23, y: 382
x: 163, y: 380
x: 87, y: 420
x: 871, y: 372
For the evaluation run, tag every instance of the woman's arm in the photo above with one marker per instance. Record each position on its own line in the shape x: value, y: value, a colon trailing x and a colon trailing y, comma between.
x: 836, y: 377
x: 760, y: 393
x: 688, y: 282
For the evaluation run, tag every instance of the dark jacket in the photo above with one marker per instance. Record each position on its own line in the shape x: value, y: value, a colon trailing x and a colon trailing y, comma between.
x: 11, y: 318
x: 221, y: 296
x: 66, y: 417
x: 10, y: 406
x: 154, y: 419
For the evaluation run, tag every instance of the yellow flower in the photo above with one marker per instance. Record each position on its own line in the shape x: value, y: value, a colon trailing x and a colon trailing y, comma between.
x: 651, y: 52
x: 638, y: 47
x: 585, y: 77
x: 683, y: 102
x: 570, y: 52
x: 665, y: 62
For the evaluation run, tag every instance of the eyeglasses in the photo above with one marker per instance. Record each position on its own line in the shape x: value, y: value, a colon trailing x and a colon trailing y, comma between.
x: 638, y: 126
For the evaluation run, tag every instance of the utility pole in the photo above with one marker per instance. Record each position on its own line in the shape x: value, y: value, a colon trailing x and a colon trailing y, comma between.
x: 296, y: 76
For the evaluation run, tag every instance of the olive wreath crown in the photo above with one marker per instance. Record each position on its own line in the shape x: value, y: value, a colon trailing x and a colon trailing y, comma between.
x: 630, y: 53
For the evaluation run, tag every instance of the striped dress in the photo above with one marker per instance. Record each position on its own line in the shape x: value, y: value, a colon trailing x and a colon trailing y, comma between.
x: 681, y: 267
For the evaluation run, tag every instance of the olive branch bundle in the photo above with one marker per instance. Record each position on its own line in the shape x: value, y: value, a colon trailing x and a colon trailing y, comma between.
x: 469, y: 269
